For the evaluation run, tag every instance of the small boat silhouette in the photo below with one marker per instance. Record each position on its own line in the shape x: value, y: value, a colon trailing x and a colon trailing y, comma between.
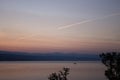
x: 74, y: 63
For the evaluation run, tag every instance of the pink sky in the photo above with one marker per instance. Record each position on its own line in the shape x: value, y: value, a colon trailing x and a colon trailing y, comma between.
x: 60, y: 26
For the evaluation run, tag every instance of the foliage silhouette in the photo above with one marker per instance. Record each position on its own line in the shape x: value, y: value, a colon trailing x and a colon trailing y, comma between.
x: 112, y: 62
x: 61, y: 75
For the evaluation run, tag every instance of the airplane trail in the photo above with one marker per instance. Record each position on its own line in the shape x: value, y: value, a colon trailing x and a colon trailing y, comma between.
x: 78, y: 23
x: 87, y: 21
x: 67, y: 26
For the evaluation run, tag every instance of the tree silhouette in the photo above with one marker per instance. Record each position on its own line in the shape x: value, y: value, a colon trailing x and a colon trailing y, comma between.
x: 61, y: 75
x: 112, y: 62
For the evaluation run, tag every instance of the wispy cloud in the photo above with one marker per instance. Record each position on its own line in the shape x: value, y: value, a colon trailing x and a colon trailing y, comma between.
x: 86, y: 21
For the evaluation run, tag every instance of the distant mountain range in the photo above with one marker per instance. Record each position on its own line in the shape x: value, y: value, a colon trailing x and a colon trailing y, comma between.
x: 23, y: 56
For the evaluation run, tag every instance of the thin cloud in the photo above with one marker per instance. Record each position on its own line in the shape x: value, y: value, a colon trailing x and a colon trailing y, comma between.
x: 86, y: 21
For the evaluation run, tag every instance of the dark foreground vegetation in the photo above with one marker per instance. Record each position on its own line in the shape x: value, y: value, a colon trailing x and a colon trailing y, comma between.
x: 112, y: 62
x: 61, y: 75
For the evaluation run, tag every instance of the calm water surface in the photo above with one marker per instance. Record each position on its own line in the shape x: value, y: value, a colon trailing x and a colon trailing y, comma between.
x: 38, y: 70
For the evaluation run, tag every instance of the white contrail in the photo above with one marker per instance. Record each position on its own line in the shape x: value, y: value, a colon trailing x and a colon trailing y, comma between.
x: 87, y: 21
x: 67, y: 26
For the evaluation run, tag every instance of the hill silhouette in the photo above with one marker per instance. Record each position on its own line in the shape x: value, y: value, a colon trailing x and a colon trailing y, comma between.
x: 23, y: 56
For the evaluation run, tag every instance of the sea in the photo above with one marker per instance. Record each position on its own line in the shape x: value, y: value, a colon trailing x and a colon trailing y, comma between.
x: 40, y: 70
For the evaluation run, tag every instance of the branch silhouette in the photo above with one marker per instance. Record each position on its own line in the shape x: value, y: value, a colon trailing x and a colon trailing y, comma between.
x: 61, y: 75
x: 112, y: 62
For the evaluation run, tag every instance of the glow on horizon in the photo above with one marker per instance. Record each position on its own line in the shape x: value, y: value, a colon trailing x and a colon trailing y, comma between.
x: 41, y: 25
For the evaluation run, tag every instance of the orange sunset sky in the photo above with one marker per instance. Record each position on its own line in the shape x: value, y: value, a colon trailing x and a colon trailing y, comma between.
x: 90, y: 26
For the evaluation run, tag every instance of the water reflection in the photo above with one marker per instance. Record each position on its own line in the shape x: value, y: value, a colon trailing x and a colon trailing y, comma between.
x: 41, y: 70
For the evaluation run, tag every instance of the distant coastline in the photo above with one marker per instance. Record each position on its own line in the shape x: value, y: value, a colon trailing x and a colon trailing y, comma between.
x: 23, y: 56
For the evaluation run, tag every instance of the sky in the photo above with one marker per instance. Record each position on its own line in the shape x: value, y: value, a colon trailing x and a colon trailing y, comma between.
x: 83, y: 26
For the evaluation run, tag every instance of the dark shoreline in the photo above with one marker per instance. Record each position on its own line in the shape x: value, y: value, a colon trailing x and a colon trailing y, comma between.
x: 21, y: 56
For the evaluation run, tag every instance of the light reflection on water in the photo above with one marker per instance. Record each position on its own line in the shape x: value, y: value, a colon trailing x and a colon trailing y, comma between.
x: 39, y: 70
